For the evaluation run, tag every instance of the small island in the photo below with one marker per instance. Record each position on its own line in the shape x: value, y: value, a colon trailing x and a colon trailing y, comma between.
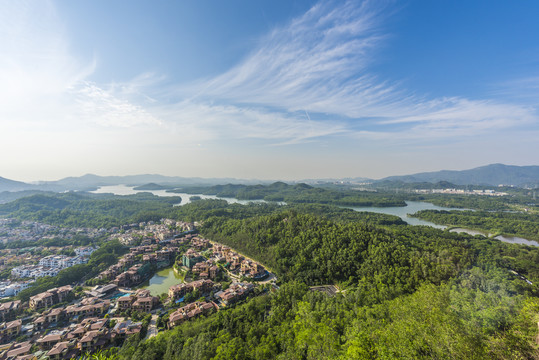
x: 152, y: 186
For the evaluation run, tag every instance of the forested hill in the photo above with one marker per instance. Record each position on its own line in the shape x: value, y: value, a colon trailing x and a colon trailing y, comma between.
x: 299, y: 193
x: 315, y: 250
x: 410, y: 293
x: 494, y: 174
x: 89, y: 210
x: 12, y: 185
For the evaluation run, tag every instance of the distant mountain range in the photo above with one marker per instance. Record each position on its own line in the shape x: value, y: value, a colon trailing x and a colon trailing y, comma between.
x: 90, y: 182
x: 492, y: 175
x: 11, y: 185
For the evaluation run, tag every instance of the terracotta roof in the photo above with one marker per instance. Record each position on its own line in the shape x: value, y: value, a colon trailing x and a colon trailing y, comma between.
x: 14, y: 323
x: 58, y: 348
x: 19, y: 351
x: 50, y: 337
x: 89, y: 336
x: 39, y: 320
x: 56, y: 311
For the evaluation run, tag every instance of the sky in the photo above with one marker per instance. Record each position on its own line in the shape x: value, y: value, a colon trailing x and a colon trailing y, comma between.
x: 281, y: 89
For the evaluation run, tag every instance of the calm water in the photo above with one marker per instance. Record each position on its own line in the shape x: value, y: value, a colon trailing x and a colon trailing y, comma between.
x: 411, y: 208
x: 415, y: 206
x: 403, y: 211
x: 129, y: 190
x: 161, y: 281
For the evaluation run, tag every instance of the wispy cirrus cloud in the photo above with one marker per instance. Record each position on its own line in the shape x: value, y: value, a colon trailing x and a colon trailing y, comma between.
x: 320, y: 62
x: 215, y: 122
x: 102, y: 107
x: 42, y: 85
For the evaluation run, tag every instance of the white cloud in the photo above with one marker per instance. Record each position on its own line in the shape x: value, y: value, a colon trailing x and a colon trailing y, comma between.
x: 320, y: 62
x: 102, y: 107
x: 214, y: 122
x: 42, y: 85
x: 317, y: 62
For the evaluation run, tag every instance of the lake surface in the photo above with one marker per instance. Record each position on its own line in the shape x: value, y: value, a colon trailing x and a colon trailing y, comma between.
x: 161, y: 281
x: 129, y: 190
x: 415, y: 206
x: 401, y: 211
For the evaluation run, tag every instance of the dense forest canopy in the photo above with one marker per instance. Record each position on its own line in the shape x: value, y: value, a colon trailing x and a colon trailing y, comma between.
x: 410, y: 292
x: 299, y: 193
x: 510, y: 223
x: 406, y: 291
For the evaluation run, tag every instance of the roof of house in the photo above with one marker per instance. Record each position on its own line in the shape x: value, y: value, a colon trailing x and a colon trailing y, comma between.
x: 50, y: 337
x: 89, y: 336
x: 23, y: 349
x: 59, y: 348
x: 14, y: 323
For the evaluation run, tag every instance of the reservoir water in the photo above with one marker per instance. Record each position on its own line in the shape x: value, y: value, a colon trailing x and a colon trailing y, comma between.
x: 401, y: 211
x: 129, y: 190
x: 161, y: 281
x: 414, y: 206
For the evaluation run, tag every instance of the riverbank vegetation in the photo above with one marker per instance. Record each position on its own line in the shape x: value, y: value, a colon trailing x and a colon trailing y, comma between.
x: 299, y: 193
x: 518, y: 200
x: 508, y: 223
x: 106, y: 211
x: 410, y: 292
x: 407, y: 291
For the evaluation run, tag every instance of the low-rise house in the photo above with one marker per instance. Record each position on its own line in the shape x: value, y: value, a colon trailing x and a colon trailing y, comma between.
x: 61, y: 261
x: 126, y: 328
x: 144, y: 304
x: 88, y: 307
x: 203, y: 286
x: 40, y: 323
x: 235, y: 292
x: 100, y: 291
x: 90, y: 341
x: 206, y: 270
x: 54, y: 315
x: 9, y: 309
x: 140, y: 301
x: 63, y: 350
x: 51, y: 317
x: 33, y: 271
x: 88, y: 324
x: 50, y: 297
x: 191, y: 257
x: 48, y: 341
x: 130, y: 277
x: 13, y: 289
x: 124, y: 302
x: 17, y: 351
x: 10, y: 330
x: 188, y: 312
x: 200, y: 243
x: 251, y: 269
x: 85, y: 251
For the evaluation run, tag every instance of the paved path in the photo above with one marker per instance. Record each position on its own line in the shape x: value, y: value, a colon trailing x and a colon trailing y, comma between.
x: 152, y: 328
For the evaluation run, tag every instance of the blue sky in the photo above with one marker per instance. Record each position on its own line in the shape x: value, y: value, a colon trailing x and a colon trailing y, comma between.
x: 266, y: 89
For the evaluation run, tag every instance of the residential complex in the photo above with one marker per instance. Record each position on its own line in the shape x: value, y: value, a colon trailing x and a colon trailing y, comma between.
x: 65, y: 324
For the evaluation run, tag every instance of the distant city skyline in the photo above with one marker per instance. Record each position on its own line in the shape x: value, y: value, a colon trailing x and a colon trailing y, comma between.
x: 266, y: 90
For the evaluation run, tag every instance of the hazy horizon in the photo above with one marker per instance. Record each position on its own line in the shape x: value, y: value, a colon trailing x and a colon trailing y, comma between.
x: 34, y: 181
x: 284, y: 90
